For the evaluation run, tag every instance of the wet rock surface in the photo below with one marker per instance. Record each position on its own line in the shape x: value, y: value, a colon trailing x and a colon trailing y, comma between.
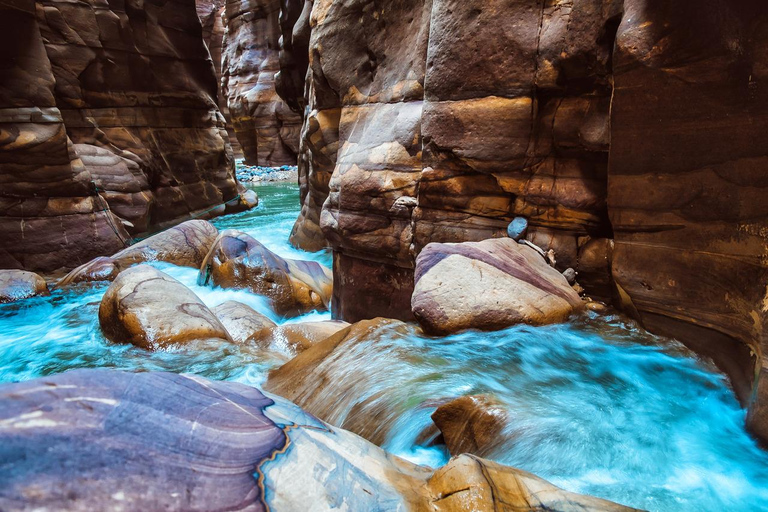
x: 220, y: 445
x: 301, y: 336
x: 471, y: 424
x: 293, y: 287
x: 151, y: 310
x: 244, y: 324
x: 488, y: 285
x: 20, y: 284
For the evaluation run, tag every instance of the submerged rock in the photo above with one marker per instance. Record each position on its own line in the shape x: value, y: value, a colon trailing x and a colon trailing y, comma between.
x: 112, y: 440
x: 102, y: 268
x: 293, y: 287
x: 488, y: 285
x: 471, y: 424
x: 301, y: 336
x: 20, y: 284
x: 245, y: 324
x: 151, y: 310
x: 331, y: 381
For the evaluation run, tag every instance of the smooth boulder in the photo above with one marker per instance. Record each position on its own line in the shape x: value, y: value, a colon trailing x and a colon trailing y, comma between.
x: 244, y: 324
x: 102, y: 439
x: 488, y: 285
x: 20, y: 284
x: 293, y: 287
x: 152, y: 310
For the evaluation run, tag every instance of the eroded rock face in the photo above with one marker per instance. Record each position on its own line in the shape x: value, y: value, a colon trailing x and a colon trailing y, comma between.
x: 453, y: 119
x: 267, y: 129
x: 488, y: 285
x: 293, y: 287
x: 471, y: 424
x: 245, y: 324
x: 20, y: 284
x: 151, y: 310
x: 688, y: 175
x: 111, y: 128
x: 220, y: 446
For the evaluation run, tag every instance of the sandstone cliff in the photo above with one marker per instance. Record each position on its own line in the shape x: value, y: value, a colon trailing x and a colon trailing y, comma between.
x: 634, y: 124
x: 108, y: 127
x: 267, y: 129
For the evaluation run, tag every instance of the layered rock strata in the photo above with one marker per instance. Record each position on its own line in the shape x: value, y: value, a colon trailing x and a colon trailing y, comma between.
x: 440, y: 121
x: 267, y: 129
x: 108, y: 127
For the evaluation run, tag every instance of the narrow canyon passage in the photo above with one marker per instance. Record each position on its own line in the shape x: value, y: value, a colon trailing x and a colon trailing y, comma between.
x: 596, y: 405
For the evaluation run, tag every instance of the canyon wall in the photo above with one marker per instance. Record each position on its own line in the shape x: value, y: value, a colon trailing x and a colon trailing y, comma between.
x: 108, y: 127
x: 266, y: 128
x: 631, y: 134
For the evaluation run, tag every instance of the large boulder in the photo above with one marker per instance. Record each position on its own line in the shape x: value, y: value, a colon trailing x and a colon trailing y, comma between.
x: 111, y: 440
x: 185, y: 245
x: 151, y: 310
x: 20, y: 284
x: 245, y: 324
x: 293, y: 287
x: 488, y: 285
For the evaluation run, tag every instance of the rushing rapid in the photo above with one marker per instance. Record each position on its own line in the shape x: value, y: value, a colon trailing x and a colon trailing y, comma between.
x: 596, y: 406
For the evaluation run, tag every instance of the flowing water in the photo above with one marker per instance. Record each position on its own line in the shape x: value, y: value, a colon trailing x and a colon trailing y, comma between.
x: 596, y: 405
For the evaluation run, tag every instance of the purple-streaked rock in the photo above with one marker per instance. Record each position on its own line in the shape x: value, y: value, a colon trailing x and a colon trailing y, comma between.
x: 112, y: 124
x: 20, y: 284
x: 293, y: 287
x: 152, y: 310
x: 108, y: 440
x: 488, y: 285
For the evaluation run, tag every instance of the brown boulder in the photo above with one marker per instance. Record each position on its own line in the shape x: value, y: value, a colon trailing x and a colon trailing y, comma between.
x: 471, y: 424
x: 151, y: 310
x: 488, y: 285
x: 293, y: 287
x: 301, y: 336
x: 320, y: 379
x: 244, y: 324
x: 472, y: 483
x: 102, y: 268
x: 20, y: 284
x: 185, y: 245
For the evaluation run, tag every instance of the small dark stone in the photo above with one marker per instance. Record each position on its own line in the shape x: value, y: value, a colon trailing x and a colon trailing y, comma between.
x: 570, y: 275
x: 517, y: 228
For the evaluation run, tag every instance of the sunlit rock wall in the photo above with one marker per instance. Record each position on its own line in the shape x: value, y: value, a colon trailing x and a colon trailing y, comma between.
x: 103, y: 109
